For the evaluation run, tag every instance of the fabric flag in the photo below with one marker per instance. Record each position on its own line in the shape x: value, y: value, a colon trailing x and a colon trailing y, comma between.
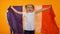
x: 49, y: 25
x: 15, y: 20
x: 44, y: 20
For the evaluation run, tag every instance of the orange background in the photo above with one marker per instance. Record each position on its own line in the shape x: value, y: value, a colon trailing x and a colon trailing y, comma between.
x: 4, y: 4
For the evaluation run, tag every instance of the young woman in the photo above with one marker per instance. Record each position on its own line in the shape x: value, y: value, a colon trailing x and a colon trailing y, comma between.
x: 29, y: 17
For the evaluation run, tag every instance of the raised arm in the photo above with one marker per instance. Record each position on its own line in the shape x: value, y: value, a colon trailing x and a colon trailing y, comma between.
x: 42, y: 9
x: 16, y: 11
x: 46, y: 8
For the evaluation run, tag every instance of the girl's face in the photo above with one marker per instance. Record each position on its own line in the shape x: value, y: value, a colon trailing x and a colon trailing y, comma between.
x: 29, y: 8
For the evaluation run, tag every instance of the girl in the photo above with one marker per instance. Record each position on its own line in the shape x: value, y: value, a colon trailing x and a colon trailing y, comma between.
x: 29, y: 17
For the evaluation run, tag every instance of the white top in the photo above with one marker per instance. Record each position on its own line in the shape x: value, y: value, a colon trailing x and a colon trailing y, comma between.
x: 29, y: 21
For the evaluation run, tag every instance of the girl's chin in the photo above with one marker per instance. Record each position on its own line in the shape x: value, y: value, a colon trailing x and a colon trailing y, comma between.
x: 29, y: 11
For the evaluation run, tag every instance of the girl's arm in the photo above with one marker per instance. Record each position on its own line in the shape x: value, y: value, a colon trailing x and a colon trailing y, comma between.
x: 46, y: 8
x: 16, y: 11
x: 42, y: 9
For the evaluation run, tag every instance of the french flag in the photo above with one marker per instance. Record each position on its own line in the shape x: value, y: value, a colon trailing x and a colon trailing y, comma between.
x: 44, y: 20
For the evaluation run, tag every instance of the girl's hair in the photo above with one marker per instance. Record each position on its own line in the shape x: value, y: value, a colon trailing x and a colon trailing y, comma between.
x: 29, y: 5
